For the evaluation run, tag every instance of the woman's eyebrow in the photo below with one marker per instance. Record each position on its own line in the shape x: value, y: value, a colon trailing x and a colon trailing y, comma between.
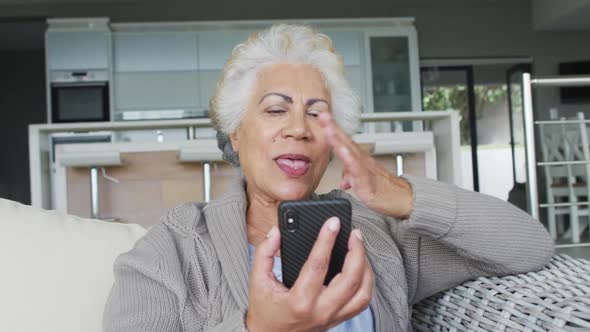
x: 288, y: 99
x: 285, y: 97
x: 312, y: 101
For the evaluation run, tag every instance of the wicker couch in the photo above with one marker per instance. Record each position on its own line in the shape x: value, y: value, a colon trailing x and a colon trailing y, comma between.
x: 556, y: 298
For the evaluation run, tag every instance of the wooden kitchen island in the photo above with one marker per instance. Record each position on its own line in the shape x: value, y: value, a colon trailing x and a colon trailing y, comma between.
x: 159, y: 174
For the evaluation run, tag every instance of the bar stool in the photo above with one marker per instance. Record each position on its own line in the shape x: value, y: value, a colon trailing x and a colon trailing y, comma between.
x: 396, y: 145
x: 93, y: 160
x: 204, y: 151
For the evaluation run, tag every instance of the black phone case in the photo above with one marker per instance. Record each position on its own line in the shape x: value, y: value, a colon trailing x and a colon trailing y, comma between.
x: 296, y: 245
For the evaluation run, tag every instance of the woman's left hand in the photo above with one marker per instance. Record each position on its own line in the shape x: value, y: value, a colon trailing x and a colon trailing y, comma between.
x: 375, y: 186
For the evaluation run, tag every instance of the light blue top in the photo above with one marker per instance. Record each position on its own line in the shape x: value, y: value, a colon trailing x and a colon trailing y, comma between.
x: 361, y: 322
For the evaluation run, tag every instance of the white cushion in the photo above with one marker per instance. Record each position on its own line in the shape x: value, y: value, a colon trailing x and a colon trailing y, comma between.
x: 56, y: 270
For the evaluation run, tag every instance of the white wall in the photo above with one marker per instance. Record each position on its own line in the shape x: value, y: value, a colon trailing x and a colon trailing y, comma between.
x: 495, y: 169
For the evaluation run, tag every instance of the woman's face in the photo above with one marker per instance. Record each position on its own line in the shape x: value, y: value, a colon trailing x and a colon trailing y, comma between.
x: 282, y: 149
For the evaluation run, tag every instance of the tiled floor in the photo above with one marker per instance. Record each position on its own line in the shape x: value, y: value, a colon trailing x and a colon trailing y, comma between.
x: 578, y: 252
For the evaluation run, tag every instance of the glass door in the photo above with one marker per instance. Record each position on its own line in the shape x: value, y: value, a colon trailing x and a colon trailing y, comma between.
x: 517, y: 195
x: 451, y: 88
x: 393, y: 76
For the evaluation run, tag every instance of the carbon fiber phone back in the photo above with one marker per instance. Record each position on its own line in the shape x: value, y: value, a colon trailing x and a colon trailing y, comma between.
x: 297, y: 244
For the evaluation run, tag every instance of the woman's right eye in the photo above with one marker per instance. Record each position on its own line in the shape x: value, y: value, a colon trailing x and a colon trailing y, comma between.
x: 275, y: 111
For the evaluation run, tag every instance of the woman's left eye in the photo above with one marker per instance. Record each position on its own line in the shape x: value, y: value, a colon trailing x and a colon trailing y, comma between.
x: 275, y: 111
x: 313, y: 113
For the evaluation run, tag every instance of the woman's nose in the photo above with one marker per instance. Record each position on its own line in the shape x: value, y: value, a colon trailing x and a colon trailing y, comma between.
x: 296, y: 126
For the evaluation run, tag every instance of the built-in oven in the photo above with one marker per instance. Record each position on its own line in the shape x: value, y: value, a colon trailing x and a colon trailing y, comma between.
x: 79, y: 97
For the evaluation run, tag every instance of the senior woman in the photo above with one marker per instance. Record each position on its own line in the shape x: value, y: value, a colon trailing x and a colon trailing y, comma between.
x: 282, y: 109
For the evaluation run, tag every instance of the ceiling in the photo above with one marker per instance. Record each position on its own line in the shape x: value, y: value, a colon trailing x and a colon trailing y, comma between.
x: 196, y: 8
x: 22, y: 21
x: 58, y: 2
x: 547, y: 14
x: 551, y: 15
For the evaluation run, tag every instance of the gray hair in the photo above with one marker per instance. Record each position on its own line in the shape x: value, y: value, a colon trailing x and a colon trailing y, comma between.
x: 282, y: 43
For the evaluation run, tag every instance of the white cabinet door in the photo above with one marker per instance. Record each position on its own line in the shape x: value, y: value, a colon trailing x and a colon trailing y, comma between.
x: 156, y: 71
x: 350, y: 45
x: 393, y: 72
x: 215, y: 48
x: 153, y: 91
x: 155, y: 51
x: 77, y: 50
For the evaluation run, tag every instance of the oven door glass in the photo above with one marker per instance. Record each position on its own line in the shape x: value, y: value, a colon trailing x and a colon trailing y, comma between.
x: 80, y: 102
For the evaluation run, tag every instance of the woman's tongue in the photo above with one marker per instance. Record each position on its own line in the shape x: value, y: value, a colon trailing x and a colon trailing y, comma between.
x: 296, y: 167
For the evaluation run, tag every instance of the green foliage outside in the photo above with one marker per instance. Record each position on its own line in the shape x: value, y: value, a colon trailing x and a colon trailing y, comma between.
x: 445, y: 98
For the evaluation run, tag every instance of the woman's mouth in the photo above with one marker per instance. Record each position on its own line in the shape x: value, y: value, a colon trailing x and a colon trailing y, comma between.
x: 293, y: 164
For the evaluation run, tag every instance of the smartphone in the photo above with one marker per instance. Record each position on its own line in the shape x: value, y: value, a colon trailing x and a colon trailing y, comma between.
x: 300, y: 223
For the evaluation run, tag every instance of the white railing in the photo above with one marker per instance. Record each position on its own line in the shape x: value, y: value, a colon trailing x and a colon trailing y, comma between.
x: 531, y: 164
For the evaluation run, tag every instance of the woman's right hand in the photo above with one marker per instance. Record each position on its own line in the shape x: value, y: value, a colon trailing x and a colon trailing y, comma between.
x: 309, y: 305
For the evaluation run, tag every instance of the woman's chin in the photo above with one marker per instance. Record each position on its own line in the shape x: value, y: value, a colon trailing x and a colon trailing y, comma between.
x: 292, y: 191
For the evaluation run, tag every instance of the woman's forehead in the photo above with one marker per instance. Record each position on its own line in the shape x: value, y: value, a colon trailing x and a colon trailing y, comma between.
x: 291, y: 79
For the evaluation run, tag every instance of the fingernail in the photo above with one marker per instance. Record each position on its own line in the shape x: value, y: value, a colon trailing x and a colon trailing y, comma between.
x: 333, y: 224
x: 358, y: 234
x: 271, y: 233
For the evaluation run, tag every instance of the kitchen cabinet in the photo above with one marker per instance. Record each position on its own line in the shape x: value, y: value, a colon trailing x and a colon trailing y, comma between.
x: 393, y: 74
x: 155, y: 51
x: 156, y: 92
x: 215, y: 48
x: 156, y: 75
x: 171, y: 69
x: 350, y: 45
x: 77, y: 50
x: 393, y: 70
x: 347, y: 43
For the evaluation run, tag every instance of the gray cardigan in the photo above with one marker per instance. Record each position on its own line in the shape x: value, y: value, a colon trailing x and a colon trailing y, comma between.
x: 190, y: 272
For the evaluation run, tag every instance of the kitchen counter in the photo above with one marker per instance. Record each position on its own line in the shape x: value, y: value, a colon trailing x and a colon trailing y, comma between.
x: 440, y: 144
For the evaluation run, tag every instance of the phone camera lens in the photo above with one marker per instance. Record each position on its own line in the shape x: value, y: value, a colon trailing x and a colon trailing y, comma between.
x: 291, y: 220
